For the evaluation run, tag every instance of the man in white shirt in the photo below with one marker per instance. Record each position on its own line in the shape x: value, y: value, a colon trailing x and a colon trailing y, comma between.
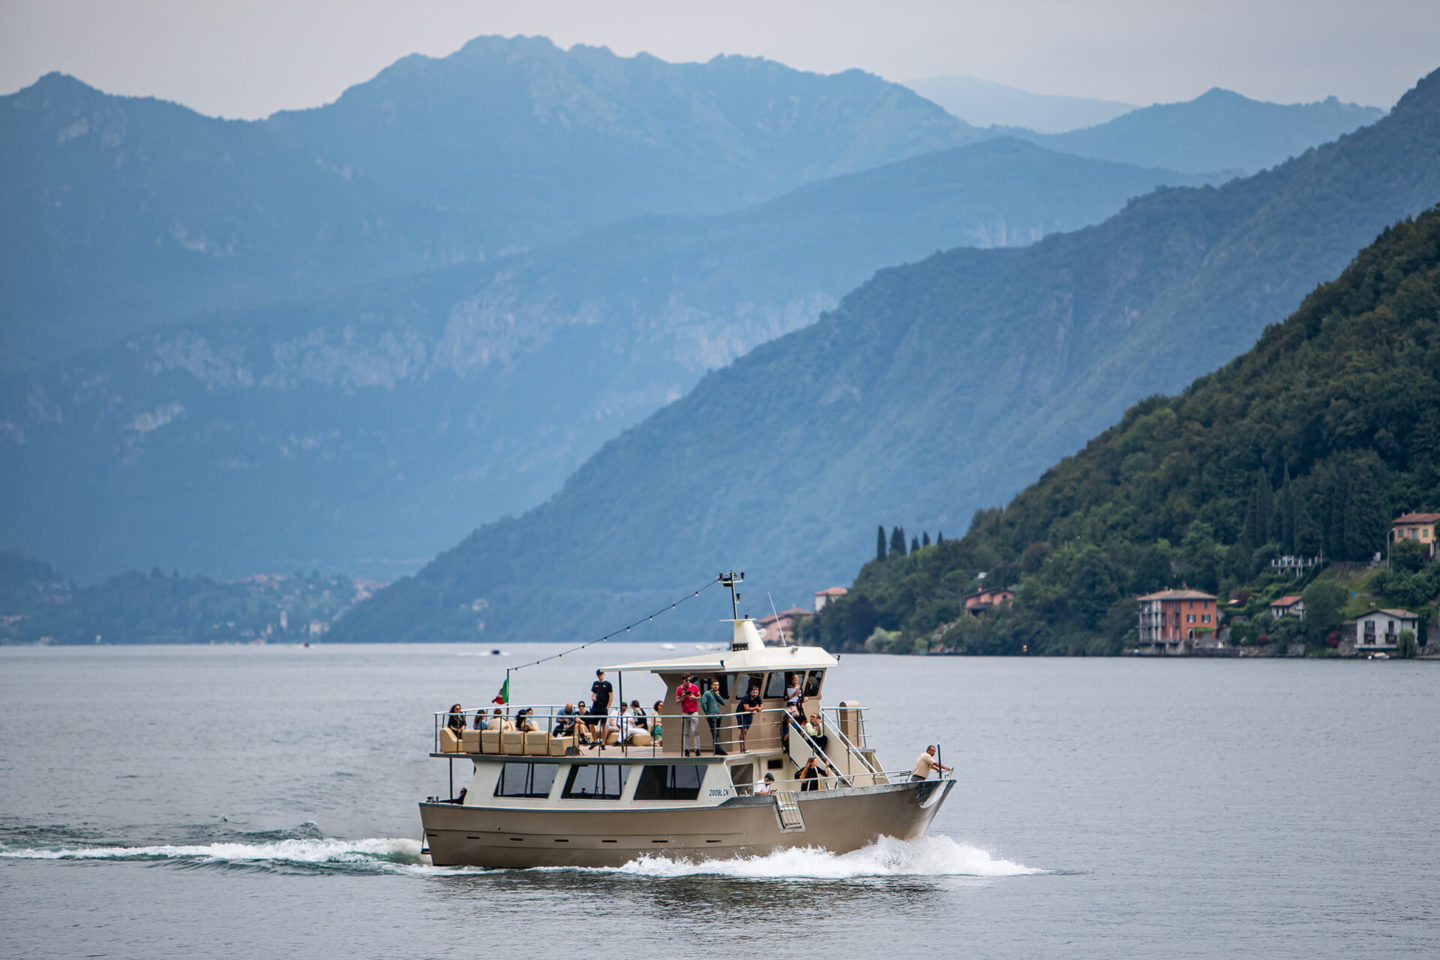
x: 766, y: 785
x: 926, y: 764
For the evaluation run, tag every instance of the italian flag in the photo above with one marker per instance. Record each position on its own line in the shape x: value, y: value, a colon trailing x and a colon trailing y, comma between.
x: 503, y: 697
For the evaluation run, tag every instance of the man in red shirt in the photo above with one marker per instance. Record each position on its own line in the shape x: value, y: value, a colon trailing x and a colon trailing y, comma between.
x: 688, y: 696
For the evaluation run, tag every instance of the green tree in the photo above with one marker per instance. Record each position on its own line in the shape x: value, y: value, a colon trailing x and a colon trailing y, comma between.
x: 880, y: 542
x: 1405, y: 644
x: 1407, y: 556
x: 914, y: 545
x: 897, y: 542
x: 1324, y: 601
x: 925, y: 538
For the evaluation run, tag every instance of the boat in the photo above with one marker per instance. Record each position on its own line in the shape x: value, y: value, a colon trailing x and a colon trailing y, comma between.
x: 538, y: 799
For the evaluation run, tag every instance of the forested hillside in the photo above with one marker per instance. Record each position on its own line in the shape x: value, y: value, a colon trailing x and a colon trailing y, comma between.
x: 933, y: 390
x: 1308, y: 444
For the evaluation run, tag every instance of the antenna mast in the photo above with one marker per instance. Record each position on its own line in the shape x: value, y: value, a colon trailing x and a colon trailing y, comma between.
x: 729, y: 579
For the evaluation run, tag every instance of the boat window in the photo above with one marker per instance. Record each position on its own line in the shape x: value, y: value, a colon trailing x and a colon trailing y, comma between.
x: 724, y: 679
x: 525, y: 780
x: 669, y: 782
x: 776, y: 687
x: 593, y: 781
x: 813, y: 683
x: 753, y: 680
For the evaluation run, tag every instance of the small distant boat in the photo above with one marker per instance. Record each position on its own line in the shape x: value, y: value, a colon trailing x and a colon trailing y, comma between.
x: 667, y: 646
x: 495, y: 653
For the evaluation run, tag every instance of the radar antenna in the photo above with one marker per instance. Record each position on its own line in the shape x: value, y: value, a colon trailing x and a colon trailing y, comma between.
x: 729, y: 579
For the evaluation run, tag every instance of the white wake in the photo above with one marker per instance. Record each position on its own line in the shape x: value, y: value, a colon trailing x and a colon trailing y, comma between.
x: 393, y: 850
x: 933, y: 856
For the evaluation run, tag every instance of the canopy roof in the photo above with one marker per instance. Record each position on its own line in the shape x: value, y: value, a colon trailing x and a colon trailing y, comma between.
x: 747, y: 652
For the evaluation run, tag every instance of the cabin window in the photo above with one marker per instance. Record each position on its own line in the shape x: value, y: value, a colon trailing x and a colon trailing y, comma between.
x: 669, y: 782
x: 724, y: 679
x: 525, y: 780
x: 776, y: 687
x: 753, y: 680
x: 813, y: 682
x: 593, y: 781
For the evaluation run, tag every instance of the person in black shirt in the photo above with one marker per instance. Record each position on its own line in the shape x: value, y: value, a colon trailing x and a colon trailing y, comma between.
x: 600, y: 692
x: 745, y: 712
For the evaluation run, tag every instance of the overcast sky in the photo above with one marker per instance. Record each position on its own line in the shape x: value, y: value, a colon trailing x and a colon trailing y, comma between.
x: 248, y: 58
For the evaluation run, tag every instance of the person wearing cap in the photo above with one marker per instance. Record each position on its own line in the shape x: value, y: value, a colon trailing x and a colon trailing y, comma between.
x: 766, y: 785
x: 926, y: 763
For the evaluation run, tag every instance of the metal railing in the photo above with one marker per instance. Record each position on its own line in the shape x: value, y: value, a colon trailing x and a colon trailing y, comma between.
x: 545, y: 730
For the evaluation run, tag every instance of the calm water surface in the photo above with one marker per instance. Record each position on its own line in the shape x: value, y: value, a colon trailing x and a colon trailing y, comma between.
x: 260, y: 802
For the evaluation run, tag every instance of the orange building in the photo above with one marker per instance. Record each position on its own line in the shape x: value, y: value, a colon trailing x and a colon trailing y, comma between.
x: 1170, y: 617
x: 981, y: 601
x: 1416, y: 526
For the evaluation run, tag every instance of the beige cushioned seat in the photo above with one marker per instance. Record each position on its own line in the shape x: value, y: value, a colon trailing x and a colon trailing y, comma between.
x: 449, y: 742
x: 512, y: 743
x: 490, y: 741
x: 640, y: 740
x: 537, y: 743
x: 470, y: 741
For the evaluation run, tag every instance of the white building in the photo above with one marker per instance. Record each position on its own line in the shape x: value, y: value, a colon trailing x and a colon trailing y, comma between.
x: 823, y: 597
x: 1380, y: 629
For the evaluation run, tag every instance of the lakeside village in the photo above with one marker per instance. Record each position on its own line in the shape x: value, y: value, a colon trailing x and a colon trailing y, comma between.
x: 1303, y: 606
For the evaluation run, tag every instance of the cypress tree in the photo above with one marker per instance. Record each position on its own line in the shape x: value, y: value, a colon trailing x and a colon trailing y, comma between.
x: 880, y: 542
x: 897, y: 542
x: 939, y: 537
x: 1286, y: 510
x: 924, y: 538
x: 914, y: 544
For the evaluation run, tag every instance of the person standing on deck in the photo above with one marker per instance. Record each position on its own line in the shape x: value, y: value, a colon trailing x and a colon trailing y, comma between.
x: 927, y: 763
x: 688, y: 695
x: 712, y: 705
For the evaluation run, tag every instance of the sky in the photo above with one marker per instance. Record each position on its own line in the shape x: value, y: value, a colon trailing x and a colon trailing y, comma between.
x: 249, y: 58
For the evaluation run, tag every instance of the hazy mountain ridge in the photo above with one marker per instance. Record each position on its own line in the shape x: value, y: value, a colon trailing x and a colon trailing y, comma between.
x: 354, y: 432
x: 1219, y: 130
x: 131, y: 212
x: 985, y: 103
x: 933, y: 390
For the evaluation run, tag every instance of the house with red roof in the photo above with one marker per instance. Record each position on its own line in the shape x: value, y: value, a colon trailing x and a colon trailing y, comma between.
x: 1290, y: 605
x: 823, y: 597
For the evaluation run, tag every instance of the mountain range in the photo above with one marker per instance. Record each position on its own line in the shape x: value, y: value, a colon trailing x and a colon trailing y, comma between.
x: 125, y: 213
x: 933, y: 390
x: 985, y: 103
x: 1219, y: 130
x: 456, y: 397
x: 328, y: 347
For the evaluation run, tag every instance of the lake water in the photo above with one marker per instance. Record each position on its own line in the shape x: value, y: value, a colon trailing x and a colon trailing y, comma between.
x: 260, y: 802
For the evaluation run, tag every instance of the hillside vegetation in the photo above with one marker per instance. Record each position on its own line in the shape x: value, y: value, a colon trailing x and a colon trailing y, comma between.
x: 1307, y: 444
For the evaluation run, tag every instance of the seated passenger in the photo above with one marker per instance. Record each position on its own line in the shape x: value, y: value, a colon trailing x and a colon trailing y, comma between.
x: 480, y: 722
x: 656, y: 729
x: 498, y: 722
x: 456, y: 720
x: 815, y: 729
x: 767, y: 785
x: 522, y: 721
x: 564, y: 722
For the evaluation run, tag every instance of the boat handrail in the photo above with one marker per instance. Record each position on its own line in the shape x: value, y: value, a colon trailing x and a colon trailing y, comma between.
x: 547, y: 718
